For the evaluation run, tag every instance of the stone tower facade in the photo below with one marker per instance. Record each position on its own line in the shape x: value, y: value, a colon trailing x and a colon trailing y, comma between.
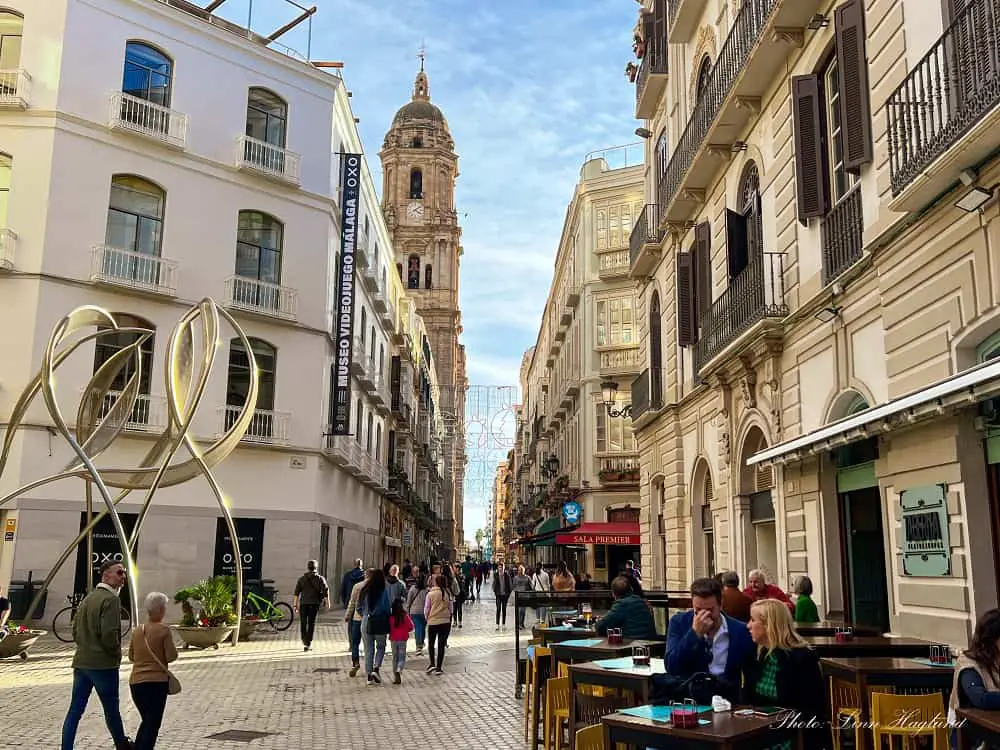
x: 419, y: 169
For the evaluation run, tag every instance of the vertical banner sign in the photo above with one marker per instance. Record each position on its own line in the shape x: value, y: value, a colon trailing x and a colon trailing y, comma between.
x: 350, y: 178
x: 106, y: 549
x: 251, y: 534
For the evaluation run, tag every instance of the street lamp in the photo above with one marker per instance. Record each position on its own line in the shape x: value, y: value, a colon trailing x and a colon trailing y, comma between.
x: 609, y: 394
x: 550, y: 467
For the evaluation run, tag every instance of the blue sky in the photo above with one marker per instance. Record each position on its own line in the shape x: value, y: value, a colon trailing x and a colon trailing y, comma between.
x: 529, y: 87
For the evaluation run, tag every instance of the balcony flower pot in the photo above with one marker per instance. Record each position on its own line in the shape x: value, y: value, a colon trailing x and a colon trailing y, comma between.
x: 203, y: 636
x: 631, y: 71
x: 18, y: 640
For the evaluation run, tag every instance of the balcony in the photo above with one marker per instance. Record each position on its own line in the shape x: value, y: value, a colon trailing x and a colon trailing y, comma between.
x: 379, y: 301
x: 612, y: 264
x: 650, y: 81
x: 752, y: 58
x: 380, y: 396
x: 754, y: 296
x: 683, y: 19
x: 266, y: 427
x: 617, y: 468
x: 8, y: 244
x: 262, y: 297
x: 362, y: 250
x: 388, y: 316
x: 359, y: 357
x: 369, y: 276
x: 134, y: 115
x: 371, y: 472
x: 268, y: 160
x: 344, y: 451
x: 841, y: 235
x: 647, y: 394
x: 570, y: 293
x: 620, y: 361
x: 127, y: 268
x: 15, y: 89
x: 149, y: 413
x: 644, y: 242
x: 944, y: 117
x: 369, y: 376
x: 400, y: 409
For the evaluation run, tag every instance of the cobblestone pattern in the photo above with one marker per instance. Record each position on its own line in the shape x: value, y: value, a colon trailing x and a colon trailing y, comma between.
x: 270, y: 685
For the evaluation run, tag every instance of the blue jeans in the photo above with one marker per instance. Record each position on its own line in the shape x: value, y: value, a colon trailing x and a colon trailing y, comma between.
x: 419, y: 630
x: 355, y: 636
x: 105, y: 682
x: 398, y: 655
x: 374, y: 652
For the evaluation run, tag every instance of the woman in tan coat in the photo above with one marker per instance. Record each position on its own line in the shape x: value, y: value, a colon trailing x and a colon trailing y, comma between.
x: 563, y: 580
x: 151, y: 649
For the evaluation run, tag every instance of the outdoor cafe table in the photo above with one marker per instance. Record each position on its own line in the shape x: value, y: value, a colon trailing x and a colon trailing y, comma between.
x: 725, y: 732
x: 830, y: 627
x: 977, y: 725
x: 872, y: 671
x: 598, y: 648
x: 877, y: 645
x: 636, y: 680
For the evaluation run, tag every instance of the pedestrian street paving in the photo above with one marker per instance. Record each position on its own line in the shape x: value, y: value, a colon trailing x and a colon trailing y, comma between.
x: 301, y: 700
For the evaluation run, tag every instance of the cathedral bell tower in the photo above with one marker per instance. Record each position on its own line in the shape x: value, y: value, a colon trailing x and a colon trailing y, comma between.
x: 419, y: 169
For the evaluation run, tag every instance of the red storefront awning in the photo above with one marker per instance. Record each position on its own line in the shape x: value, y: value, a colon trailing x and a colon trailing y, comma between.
x: 626, y: 534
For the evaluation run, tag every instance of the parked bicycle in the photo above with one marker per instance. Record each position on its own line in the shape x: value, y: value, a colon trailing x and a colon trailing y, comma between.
x: 62, y: 623
x: 278, y: 615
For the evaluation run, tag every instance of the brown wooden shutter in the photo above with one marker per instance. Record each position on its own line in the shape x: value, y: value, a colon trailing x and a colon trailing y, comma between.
x: 702, y: 269
x: 659, y: 38
x: 687, y: 329
x: 855, y: 107
x: 737, y: 248
x: 810, y: 176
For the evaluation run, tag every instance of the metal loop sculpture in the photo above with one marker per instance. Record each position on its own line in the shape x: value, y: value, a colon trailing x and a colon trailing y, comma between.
x: 98, y: 424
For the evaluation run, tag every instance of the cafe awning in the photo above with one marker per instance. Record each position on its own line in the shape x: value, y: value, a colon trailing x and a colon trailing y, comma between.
x: 626, y: 534
x: 543, y: 534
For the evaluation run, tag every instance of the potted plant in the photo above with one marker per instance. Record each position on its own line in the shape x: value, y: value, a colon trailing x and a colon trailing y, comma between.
x: 18, y: 640
x: 215, y: 618
x: 631, y: 71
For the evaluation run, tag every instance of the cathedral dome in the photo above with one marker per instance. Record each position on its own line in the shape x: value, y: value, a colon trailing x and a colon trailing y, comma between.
x: 418, y: 110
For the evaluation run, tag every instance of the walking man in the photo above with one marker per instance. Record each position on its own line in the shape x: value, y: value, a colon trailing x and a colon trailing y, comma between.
x: 354, y: 576
x: 310, y: 592
x: 97, y: 632
x: 503, y: 584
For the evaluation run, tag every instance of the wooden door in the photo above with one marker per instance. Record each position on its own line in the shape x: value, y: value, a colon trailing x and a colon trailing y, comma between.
x: 865, y: 574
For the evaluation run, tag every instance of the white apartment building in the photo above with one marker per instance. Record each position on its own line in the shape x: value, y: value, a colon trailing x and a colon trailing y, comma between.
x: 128, y: 183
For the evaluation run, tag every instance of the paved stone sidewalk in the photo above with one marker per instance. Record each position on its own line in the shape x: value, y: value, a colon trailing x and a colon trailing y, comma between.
x: 270, y: 685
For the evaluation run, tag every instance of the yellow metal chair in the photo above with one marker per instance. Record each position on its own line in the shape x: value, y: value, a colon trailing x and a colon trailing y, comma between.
x: 845, y: 703
x: 591, y: 738
x: 556, y: 711
x: 923, y: 714
x: 529, y: 684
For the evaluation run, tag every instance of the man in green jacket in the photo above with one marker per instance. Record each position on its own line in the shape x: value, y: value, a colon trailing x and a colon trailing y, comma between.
x: 629, y: 612
x: 97, y: 631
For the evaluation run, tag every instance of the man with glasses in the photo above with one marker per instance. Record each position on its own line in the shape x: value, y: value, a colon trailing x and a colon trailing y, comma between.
x: 97, y: 631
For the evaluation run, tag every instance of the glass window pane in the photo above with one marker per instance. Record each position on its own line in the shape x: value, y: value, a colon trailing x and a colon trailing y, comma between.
x: 247, y: 261
x: 10, y: 52
x: 270, y: 266
x: 137, y: 196
x: 149, y: 237
x: 275, y: 132
x: 256, y: 124
x: 135, y: 81
x: 121, y: 231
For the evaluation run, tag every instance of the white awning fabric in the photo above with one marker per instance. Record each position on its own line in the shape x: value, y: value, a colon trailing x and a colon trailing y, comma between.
x: 963, y: 389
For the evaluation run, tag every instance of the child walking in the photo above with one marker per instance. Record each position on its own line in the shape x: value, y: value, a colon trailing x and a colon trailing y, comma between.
x: 400, y: 627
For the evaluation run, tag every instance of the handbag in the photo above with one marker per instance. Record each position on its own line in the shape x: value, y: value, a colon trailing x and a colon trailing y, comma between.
x: 378, y: 618
x: 700, y: 687
x: 173, y: 684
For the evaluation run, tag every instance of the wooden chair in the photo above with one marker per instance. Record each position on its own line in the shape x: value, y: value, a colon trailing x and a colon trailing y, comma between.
x: 540, y: 652
x: 845, y: 703
x: 923, y: 715
x: 556, y: 711
x: 591, y: 738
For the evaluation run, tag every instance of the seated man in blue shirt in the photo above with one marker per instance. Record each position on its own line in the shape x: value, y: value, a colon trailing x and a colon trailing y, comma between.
x: 629, y: 612
x: 703, y: 639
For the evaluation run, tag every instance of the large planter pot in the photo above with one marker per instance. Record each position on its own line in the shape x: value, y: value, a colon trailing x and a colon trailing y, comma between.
x: 17, y: 644
x: 203, y: 637
x: 247, y: 628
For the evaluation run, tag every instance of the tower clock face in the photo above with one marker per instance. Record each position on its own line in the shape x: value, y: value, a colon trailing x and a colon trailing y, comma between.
x: 415, y: 210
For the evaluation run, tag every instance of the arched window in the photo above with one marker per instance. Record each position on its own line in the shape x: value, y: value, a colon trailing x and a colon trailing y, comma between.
x: 704, y: 77
x: 381, y: 359
x: 6, y: 170
x: 370, y: 434
x: 364, y: 323
x: 655, y: 350
x: 417, y: 142
x: 135, y: 226
x: 107, y: 345
x: 413, y: 272
x: 258, y: 258
x: 742, y: 253
x: 428, y: 276
x: 378, y: 442
x: 371, y: 351
x: 147, y: 76
x: 267, y: 116
x: 238, y: 386
x: 416, y: 183
x: 661, y: 153
x: 10, y: 40
x: 359, y: 422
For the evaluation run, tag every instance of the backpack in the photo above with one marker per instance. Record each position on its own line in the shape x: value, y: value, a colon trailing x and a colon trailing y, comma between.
x: 378, y: 618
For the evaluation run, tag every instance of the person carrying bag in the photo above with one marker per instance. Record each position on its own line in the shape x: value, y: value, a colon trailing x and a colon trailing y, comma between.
x: 151, y: 681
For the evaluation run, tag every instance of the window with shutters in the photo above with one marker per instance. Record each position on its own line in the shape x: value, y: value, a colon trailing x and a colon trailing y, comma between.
x: 616, y: 321
x: 655, y: 342
x: 745, y: 228
x: 840, y: 179
x: 662, y: 157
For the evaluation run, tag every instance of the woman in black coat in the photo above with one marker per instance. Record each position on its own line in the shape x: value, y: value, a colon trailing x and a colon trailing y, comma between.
x: 784, y: 672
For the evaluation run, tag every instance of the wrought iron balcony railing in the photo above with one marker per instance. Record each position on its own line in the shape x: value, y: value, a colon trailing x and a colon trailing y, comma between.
x: 842, y: 235
x: 267, y: 159
x: 757, y: 292
x: 150, y: 273
x: 651, y: 79
x: 946, y: 94
x: 15, y: 89
x: 746, y: 31
x: 266, y: 427
x: 8, y: 243
x: 644, y: 242
x: 127, y: 112
x: 253, y: 295
x: 647, y: 392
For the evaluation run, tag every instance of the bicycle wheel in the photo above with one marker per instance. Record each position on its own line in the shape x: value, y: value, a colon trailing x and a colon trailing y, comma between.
x: 126, y: 618
x: 62, y: 625
x: 286, y: 616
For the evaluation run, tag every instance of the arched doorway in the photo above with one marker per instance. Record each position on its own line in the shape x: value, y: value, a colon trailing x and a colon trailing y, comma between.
x: 702, y: 522
x: 860, y: 523
x: 760, y: 536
